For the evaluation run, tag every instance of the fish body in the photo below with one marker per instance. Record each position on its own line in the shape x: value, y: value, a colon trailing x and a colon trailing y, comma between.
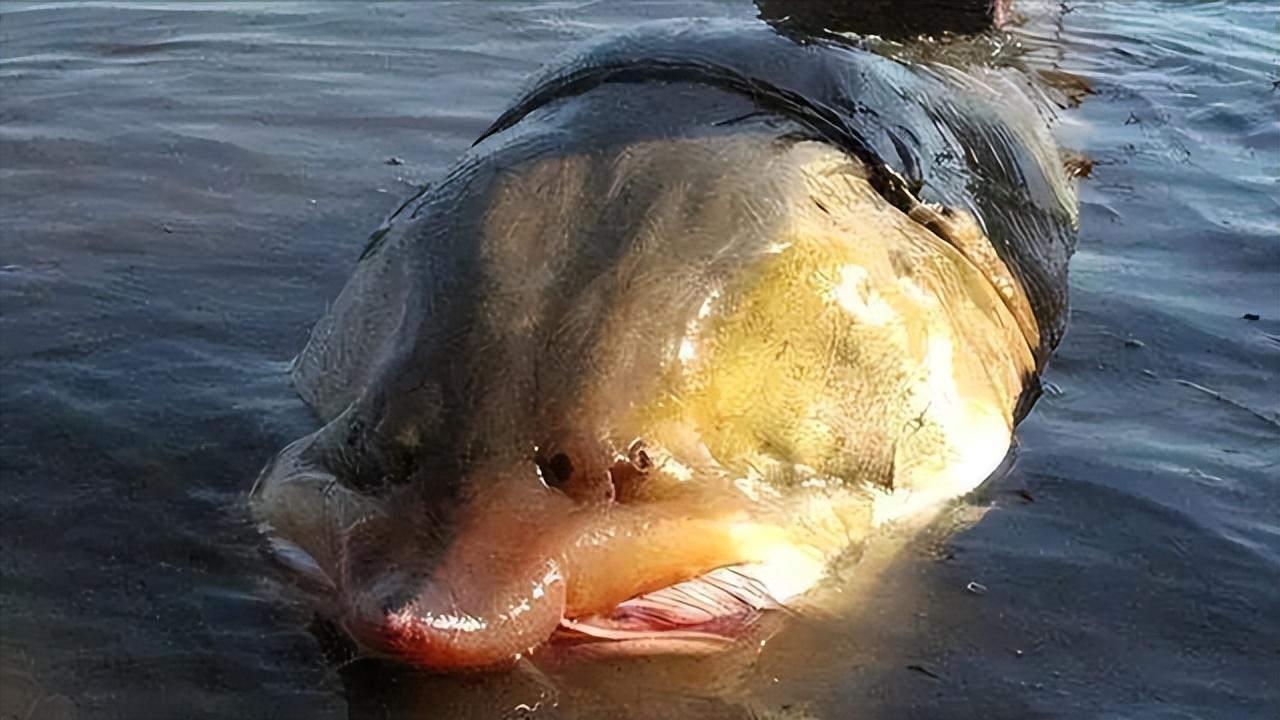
x: 700, y: 313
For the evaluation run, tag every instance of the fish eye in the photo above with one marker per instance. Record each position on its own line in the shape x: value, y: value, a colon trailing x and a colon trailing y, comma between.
x: 556, y: 470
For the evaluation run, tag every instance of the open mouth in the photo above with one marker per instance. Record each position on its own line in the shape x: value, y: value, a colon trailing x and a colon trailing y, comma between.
x: 706, y: 614
x: 605, y: 601
x: 466, y: 620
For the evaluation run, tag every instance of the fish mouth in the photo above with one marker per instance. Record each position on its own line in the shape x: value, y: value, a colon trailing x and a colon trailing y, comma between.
x: 706, y: 614
x: 622, y: 584
x: 632, y: 594
x: 717, y: 612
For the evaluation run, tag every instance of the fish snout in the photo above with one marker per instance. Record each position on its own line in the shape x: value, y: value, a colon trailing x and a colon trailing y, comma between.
x: 478, y: 594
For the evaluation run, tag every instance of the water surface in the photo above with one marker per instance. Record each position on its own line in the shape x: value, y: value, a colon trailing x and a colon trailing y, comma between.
x: 184, y: 187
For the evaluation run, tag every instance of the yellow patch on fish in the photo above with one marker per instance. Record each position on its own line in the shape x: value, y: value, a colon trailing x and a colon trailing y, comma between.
x: 863, y: 347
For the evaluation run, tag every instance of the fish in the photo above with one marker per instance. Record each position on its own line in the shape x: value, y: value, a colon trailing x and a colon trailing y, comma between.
x: 703, y: 311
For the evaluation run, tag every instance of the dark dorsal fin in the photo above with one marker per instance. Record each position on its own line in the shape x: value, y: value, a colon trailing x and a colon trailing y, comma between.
x: 890, y: 19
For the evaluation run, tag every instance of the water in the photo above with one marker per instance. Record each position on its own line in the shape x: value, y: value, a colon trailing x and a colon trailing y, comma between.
x: 184, y: 187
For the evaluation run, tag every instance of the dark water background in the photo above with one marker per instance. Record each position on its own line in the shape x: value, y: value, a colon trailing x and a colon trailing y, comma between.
x: 184, y: 187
